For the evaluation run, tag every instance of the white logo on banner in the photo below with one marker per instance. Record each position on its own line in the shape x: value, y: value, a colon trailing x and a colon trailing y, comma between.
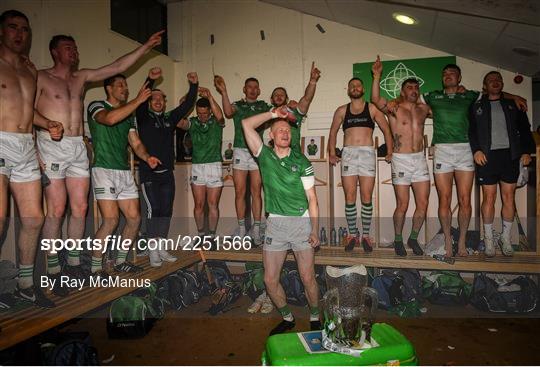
x: 392, y: 83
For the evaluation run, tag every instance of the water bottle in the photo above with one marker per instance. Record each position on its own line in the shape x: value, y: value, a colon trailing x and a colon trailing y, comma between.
x: 323, y: 237
x: 340, y: 236
x: 333, y: 237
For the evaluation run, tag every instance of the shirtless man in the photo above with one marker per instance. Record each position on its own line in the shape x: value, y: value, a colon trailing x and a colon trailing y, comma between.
x: 280, y: 98
x: 358, y: 158
x: 19, y: 168
x: 59, y: 96
x: 243, y: 161
x: 409, y: 165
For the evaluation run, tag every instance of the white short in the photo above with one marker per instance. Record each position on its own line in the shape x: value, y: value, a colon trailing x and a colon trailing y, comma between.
x: 66, y: 157
x: 18, y: 157
x: 452, y: 157
x: 287, y: 233
x: 207, y: 174
x: 243, y: 160
x: 113, y: 184
x: 408, y: 168
x: 358, y: 161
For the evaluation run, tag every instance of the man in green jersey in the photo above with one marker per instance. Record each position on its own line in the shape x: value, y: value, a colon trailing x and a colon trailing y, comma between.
x: 291, y: 201
x: 243, y: 162
x: 206, y: 132
x: 312, y: 148
x: 453, y: 159
x: 113, y: 127
x: 280, y: 98
x: 228, y: 154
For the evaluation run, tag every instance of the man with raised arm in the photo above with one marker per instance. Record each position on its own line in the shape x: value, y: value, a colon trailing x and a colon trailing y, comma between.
x: 112, y: 126
x: 156, y: 129
x: 243, y: 161
x: 280, y: 98
x: 291, y: 200
x: 358, y: 158
x: 60, y: 96
x: 409, y: 165
x: 206, y: 131
x: 19, y: 168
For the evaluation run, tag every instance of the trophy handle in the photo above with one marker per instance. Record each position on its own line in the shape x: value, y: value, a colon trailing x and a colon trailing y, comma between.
x: 372, y: 294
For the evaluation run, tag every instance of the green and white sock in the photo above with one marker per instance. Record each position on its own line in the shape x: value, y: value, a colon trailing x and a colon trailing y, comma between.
x: 74, y: 258
x: 53, y: 264
x: 350, y: 214
x: 286, y: 313
x: 366, y: 213
x: 97, y: 264
x: 26, y: 276
x: 121, y: 256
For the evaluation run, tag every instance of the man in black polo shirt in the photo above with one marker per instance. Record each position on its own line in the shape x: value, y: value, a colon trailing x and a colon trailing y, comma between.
x: 156, y: 129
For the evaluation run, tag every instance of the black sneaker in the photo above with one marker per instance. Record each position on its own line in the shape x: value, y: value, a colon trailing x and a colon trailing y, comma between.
x: 76, y: 272
x: 59, y: 289
x: 416, y: 249
x: 367, y: 245
x: 282, y: 327
x: 7, y: 301
x: 399, y: 248
x: 351, y: 241
x: 315, y: 325
x: 35, y: 296
x: 127, y: 267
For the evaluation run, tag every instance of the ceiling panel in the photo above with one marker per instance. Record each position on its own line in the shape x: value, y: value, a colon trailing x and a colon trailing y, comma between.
x: 480, y: 30
x: 524, y: 32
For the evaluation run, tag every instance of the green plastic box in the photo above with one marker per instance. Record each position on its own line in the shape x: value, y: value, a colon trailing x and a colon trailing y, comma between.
x: 394, y: 349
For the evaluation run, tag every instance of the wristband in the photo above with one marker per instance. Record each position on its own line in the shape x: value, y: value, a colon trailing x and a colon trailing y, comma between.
x: 274, y: 115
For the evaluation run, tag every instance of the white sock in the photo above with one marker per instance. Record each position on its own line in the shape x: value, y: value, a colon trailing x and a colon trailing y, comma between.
x: 507, y: 229
x: 488, y: 230
x: 242, y: 225
x: 289, y: 317
x: 257, y: 229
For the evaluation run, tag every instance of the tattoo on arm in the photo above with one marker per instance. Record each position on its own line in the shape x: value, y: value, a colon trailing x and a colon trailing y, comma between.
x: 397, y: 142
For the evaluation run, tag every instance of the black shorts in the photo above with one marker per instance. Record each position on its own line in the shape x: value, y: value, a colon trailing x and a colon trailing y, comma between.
x: 499, y: 167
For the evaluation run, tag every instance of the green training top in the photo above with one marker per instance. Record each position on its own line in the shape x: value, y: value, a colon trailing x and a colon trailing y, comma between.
x: 450, y: 115
x: 284, y: 192
x: 244, y: 110
x: 206, y: 140
x: 110, y: 142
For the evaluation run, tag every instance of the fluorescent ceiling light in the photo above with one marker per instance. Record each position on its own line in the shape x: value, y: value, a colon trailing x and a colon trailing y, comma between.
x: 405, y: 19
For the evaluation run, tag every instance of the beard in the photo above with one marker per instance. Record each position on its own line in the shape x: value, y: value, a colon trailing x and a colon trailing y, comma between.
x: 356, y: 95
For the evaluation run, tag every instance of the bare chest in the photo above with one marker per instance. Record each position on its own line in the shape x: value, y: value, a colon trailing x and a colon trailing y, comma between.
x: 16, y: 83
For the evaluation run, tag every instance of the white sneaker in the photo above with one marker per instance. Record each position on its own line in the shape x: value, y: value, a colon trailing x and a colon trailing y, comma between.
x: 256, y: 305
x: 490, y: 247
x: 256, y: 235
x: 155, y: 260
x: 165, y: 256
x: 267, y: 305
x: 506, y: 246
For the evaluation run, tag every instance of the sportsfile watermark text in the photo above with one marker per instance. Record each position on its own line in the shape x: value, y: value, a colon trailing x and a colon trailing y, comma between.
x: 117, y: 242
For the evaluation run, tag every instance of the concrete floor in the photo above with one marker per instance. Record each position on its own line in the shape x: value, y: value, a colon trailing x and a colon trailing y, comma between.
x: 442, y: 336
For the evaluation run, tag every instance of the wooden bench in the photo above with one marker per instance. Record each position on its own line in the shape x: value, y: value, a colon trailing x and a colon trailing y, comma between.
x: 24, y: 324
x: 519, y: 264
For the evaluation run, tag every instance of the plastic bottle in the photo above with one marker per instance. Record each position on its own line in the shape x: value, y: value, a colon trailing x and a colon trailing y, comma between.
x: 323, y: 237
x: 333, y: 237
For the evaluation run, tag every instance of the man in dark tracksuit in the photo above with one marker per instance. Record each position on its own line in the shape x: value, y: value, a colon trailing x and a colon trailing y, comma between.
x: 500, y: 137
x: 156, y: 129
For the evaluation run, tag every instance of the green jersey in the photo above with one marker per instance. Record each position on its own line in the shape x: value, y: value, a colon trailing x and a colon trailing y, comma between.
x: 228, y: 153
x: 295, y: 130
x: 244, y: 110
x: 450, y: 115
x: 312, y: 149
x: 110, y: 142
x: 206, y: 140
x: 284, y: 192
